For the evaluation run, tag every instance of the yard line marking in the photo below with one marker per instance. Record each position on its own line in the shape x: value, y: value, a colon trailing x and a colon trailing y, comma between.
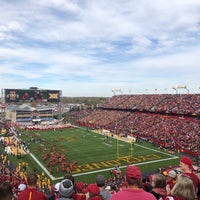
x: 109, y: 145
x: 108, y: 169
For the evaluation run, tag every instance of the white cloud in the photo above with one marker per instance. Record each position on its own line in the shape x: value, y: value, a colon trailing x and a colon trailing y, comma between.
x: 96, y: 45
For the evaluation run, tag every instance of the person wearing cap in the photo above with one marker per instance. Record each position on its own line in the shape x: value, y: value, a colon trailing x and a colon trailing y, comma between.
x: 31, y: 192
x: 66, y: 190
x: 134, y: 190
x: 80, y: 190
x: 188, y: 170
x: 55, y: 192
x: 70, y: 177
x: 93, y: 192
x: 100, y: 181
x: 21, y: 187
x: 171, y: 179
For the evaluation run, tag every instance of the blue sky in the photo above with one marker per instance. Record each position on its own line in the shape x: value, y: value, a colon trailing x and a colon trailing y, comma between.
x: 90, y: 47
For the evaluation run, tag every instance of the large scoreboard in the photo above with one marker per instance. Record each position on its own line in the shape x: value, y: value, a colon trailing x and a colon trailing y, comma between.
x: 31, y: 95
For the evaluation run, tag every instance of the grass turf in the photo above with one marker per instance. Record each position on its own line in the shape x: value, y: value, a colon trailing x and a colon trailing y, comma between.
x: 93, y: 152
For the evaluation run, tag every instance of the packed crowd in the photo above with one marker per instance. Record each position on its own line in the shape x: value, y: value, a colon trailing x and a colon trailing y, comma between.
x: 164, y: 185
x: 179, y: 103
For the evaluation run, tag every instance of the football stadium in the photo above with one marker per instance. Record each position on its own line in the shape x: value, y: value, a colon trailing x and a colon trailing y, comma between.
x: 151, y: 131
x: 100, y: 100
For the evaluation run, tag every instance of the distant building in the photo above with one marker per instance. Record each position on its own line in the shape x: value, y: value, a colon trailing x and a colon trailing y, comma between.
x: 26, y: 113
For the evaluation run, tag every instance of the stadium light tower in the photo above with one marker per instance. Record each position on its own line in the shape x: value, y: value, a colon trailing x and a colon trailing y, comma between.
x: 176, y: 87
x: 116, y: 90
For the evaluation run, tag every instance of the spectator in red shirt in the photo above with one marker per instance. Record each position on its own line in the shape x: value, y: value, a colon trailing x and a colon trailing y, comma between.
x: 55, y: 192
x: 31, y: 192
x: 187, y: 168
x: 135, y: 187
x: 80, y: 190
x: 93, y: 192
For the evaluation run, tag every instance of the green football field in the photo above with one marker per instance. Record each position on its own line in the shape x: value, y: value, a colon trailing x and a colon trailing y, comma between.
x: 93, y: 153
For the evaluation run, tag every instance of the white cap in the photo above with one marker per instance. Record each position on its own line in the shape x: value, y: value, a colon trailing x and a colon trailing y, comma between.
x: 21, y: 187
x: 56, y: 187
x: 108, y: 187
x: 172, y: 174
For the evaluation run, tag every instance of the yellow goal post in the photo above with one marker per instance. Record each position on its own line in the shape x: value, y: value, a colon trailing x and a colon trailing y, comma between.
x: 128, y: 140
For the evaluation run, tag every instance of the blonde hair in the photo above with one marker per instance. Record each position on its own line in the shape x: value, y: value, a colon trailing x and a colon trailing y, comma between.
x: 184, y: 188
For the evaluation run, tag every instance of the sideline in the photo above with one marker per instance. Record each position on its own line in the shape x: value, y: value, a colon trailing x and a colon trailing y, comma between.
x: 42, y: 166
x: 124, y: 166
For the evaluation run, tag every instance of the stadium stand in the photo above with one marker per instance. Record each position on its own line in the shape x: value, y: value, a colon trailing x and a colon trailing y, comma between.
x: 168, y: 121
